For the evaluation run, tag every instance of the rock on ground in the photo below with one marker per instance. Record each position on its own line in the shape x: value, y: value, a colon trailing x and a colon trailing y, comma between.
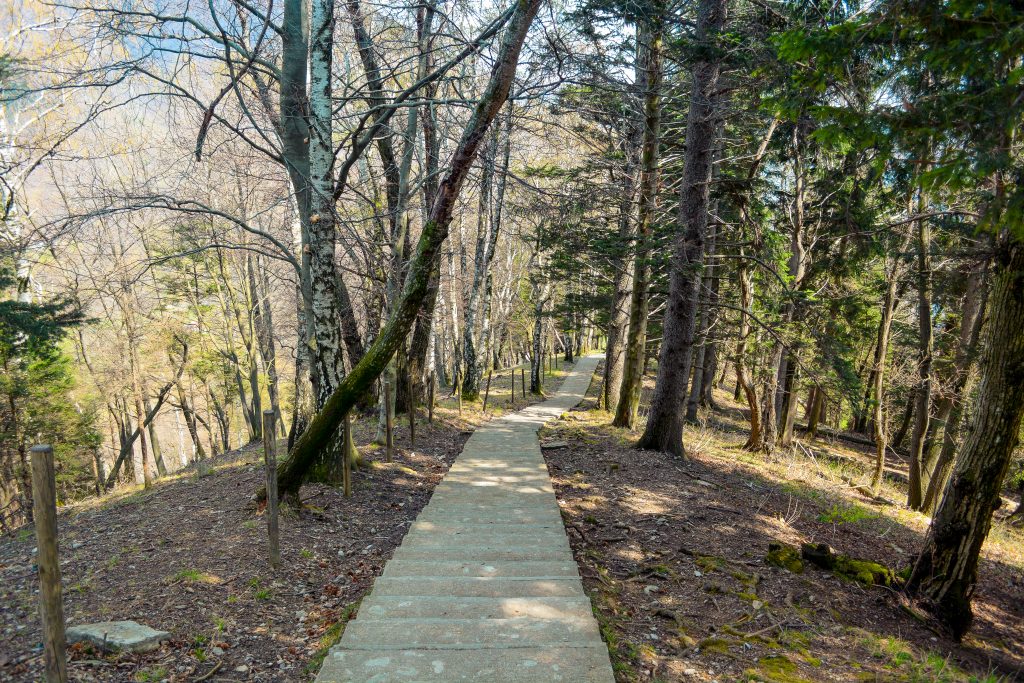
x: 124, y: 636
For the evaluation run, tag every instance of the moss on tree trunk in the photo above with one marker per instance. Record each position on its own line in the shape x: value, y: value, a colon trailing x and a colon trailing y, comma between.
x: 321, y: 430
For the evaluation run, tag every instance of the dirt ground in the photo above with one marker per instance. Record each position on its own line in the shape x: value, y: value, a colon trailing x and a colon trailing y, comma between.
x: 673, y: 555
x: 189, y: 557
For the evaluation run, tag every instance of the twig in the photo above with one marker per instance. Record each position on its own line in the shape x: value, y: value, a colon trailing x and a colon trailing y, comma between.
x: 767, y: 628
x: 215, y: 669
x: 580, y: 532
x: 724, y: 509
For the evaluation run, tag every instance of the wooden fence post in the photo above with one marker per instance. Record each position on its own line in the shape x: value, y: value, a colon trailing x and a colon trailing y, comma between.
x: 389, y: 440
x: 513, y: 386
x: 412, y: 415
x: 346, y: 462
x: 487, y: 391
x: 522, y: 381
x: 270, y: 464
x: 51, y: 599
x: 430, y: 398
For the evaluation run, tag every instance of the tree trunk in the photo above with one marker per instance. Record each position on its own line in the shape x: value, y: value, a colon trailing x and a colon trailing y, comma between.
x: 424, y: 333
x: 140, y: 418
x: 945, y: 572
x: 704, y: 312
x: 664, y: 430
x: 790, y: 401
x: 772, y: 409
x: 918, y: 481
x: 769, y: 414
x: 697, y: 378
x: 908, y: 416
x: 889, y: 302
x: 713, y: 280
x: 498, y: 203
x: 154, y: 442
x: 744, y: 382
x: 303, y: 404
x: 318, y: 435
x: 541, y: 293
x: 128, y: 440
x: 190, y: 421
x: 486, y: 240
x: 950, y: 408
x: 817, y: 406
x: 262, y: 317
x: 649, y: 73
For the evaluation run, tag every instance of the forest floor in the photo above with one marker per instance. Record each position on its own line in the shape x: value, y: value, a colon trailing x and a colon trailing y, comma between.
x: 189, y: 556
x: 672, y: 553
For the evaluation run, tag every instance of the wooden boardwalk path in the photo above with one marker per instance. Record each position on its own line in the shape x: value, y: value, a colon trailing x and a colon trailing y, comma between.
x: 484, y: 586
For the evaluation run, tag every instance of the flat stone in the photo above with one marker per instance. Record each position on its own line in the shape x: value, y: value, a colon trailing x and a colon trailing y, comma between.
x: 551, y: 445
x: 118, y: 636
x: 461, y: 634
x: 530, y: 568
x: 522, y: 538
x: 460, y: 587
x: 483, y: 553
x: 392, y: 607
x: 504, y: 665
x: 550, y: 517
x: 445, y: 528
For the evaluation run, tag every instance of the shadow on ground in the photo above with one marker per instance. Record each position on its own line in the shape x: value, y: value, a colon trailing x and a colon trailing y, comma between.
x: 673, y: 556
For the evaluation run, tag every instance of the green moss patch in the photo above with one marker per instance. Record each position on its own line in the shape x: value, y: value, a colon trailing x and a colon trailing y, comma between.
x: 864, y: 572
x: 785, y: 556
x: 776, y: 669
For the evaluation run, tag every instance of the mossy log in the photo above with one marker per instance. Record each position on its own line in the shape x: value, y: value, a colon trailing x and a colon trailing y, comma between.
x: 785, y: 556
x: 864, y: 572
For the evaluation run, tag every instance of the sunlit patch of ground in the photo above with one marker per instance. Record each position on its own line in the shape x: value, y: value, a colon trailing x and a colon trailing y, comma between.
x: 189, y: 556
x: 673, y: 556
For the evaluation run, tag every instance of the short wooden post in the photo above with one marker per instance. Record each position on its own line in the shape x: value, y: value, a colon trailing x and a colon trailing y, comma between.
x: 487, y: 391
x: 522, y: 381
x: 346, y: 459
x: 270, y: 464
x: 389, y: 439
x: 430, y: 398
x: 51, y: 599
x: 513, y: 387
x: 412, y: 414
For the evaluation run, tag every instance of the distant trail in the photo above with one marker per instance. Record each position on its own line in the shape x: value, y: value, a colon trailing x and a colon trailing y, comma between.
x: 484, y: 586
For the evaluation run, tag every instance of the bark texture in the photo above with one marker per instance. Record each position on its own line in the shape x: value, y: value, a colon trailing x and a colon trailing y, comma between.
x: 923, y: 396
x: 664, y: 430
x: 945, y: 573
x: 649, y: 49
x: 950, y: 408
